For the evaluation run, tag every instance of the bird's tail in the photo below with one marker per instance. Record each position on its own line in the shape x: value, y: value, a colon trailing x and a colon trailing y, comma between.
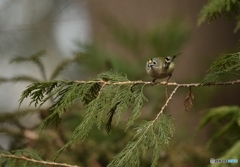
x: 174, y: 56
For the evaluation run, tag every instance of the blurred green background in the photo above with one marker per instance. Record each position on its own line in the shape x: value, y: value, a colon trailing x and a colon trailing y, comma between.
x: 122, y: 35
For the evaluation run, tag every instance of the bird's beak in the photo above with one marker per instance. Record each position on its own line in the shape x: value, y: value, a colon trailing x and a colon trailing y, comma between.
x: 150, y: 65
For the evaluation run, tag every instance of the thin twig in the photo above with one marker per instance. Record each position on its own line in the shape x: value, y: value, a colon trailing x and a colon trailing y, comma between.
x: 175, y: 90
x: 162, y: 83
x: 166, y: 91
x: 37, y: 161
x: 166, y: 103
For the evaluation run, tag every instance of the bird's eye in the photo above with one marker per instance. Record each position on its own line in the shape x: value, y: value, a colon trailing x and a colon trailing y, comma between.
x: 154, y: 62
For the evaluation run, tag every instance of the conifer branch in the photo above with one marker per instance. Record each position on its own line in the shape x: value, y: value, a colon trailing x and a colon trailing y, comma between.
x: 216, y: 8
x: 36, y: 161
x: 166, y: 103
x: 142, y: 143
x: 110, y: 92
x: 161, y: 83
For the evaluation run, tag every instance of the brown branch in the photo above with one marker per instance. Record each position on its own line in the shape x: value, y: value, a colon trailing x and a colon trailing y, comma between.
x: 175, y: 90
x: 37, y: 161
x: 162, y: 83
x: 166, y: 103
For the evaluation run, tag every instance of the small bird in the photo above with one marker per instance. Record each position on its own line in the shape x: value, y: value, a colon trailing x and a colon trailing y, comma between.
x: 160, y: 67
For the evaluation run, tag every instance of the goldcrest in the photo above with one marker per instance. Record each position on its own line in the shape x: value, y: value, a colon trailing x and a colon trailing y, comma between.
x: 161, y: 67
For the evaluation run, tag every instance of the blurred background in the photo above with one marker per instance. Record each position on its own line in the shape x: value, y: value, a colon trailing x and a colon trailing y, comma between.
x: 111, y: 34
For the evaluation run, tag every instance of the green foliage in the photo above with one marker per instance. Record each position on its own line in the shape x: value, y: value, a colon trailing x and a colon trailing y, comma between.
x: 18, y: 161
x: 226, y: 64
x: 226, y: 119
x: 226, y: 123
x: 99, y: 97
x: 216, y: 8
x: 153, y: 135
x: 104, y: 101
x: 13, y: 117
